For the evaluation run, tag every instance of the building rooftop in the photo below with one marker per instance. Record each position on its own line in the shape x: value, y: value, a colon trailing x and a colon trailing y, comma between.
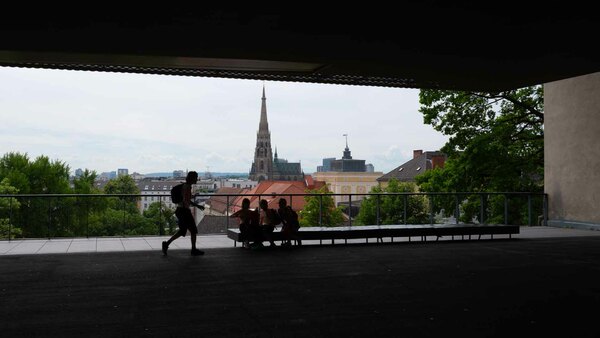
x: 407, y: 172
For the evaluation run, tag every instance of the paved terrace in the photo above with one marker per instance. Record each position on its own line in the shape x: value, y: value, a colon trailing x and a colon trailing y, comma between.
x: 543, y: 282
x: 122, y: 244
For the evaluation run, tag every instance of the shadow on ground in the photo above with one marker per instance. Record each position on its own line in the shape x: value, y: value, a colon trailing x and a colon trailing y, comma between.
x: 531, y: 287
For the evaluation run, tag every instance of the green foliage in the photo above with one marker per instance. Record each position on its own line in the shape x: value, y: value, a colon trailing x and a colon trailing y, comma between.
x: 8, y: 205
x: 496, y: 139
x: 15, y: 168
x: 49, y: 177
x: 43, y: 216
x: 84, y: 184
x: 112, y: 222
x: 496, y: 145
x: 40, y: 176
x: 162, y: 217
x: 6, y: 230
x: 37, y: 217
x: 391, y: 207
x: 330, y: 215
x: 121, y: 185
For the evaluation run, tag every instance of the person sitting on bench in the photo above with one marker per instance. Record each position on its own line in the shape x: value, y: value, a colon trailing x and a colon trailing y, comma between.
x: 249, y: 225
x: 289, y: 219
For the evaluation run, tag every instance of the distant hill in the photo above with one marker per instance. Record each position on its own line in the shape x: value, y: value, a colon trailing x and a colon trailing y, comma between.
x: 215, y: 174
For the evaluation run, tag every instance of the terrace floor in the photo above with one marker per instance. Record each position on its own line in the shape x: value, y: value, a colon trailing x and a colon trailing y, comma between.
x: 543, y: 282
x: 122, y: 244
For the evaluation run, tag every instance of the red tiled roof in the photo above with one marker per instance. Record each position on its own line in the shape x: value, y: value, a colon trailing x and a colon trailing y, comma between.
x: 273, y: 191
x: 219, y: 203
x: 310, y: 181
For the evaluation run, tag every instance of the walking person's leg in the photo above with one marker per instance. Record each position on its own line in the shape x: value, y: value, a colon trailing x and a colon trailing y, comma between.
x: 179, y: 233
x: 191, y: 226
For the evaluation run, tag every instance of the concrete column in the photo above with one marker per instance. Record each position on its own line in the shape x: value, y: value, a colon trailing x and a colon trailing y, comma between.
x: 572, y: 151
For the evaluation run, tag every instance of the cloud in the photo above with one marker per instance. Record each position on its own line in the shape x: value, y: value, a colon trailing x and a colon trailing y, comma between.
x: 151, y: 123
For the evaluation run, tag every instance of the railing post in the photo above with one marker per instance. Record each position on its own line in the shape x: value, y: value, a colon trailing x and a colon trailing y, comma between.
x: 405, y: 205
x: 378, y: 210
x: 9, y: 218
x: 506, y: 209
x: 50, y: 216
x: 481, y: 220
x: 87, y: 220
x: 27, y: 213
x: 160, y: 217
x: 321, y: 210
x: 431, y: 209
x: 124, y: 225
x: 456, y: 208
x: 227, y: 212
x: 545, y: 206
x: 529, y: 208
x: 350, y: 208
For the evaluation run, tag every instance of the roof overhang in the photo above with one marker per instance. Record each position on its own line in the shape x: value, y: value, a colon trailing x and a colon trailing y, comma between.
x: 420, y: 45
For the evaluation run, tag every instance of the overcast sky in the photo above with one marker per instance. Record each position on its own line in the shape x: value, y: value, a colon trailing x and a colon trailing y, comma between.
x: 159, y: 123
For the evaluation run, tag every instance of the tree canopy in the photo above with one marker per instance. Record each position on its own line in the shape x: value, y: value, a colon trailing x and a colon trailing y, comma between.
x: 391, y: 207
x: 40, y: 176
x: 320, y: 210
x: 496, y: 139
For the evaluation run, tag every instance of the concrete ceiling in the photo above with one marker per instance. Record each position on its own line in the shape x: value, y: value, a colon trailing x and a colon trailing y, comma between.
x: 421, y: 44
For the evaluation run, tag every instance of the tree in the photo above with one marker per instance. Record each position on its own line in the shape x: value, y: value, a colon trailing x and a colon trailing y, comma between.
x: 496, y: 139
x: 161, y: 216
x: 41, y: 215
x: 8, y: 205
x: 85, y: 206
x: 123, y: 185
x: 40, y: 176
x: 320, y: 210
x: 496, y: 144
x: 112, y: 222
x: 391, y: 207
x: 84, y: 184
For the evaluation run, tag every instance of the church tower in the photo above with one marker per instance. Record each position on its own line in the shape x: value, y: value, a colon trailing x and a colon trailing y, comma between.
x: 262, y: 167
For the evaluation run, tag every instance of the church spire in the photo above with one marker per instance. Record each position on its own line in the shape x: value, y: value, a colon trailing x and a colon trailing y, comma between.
x: 264, y: 124
x: 262, y: 167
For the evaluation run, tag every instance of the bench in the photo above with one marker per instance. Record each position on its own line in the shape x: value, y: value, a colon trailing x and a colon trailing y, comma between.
x: 384, y: 231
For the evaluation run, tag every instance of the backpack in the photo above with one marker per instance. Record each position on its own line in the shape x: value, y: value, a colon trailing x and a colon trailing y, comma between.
x: 274, y: 217
x: 177, y: 193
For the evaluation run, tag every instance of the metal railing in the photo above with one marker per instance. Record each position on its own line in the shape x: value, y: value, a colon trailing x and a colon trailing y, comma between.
x: 77, y: 215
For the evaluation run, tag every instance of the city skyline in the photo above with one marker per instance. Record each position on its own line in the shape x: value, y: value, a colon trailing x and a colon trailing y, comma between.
x: 157, y: 123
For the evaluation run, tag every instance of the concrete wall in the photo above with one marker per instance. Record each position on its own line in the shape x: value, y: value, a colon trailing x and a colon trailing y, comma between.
x: 572, y: 151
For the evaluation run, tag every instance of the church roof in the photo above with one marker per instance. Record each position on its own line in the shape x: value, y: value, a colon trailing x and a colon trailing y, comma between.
x: 287, y: 168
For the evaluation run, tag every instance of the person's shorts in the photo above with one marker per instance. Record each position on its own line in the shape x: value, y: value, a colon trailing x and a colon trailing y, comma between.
x: 186, y: 221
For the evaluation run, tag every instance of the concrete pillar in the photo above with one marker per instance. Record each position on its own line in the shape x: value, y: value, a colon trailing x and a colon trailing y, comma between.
x: 572, y: 151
